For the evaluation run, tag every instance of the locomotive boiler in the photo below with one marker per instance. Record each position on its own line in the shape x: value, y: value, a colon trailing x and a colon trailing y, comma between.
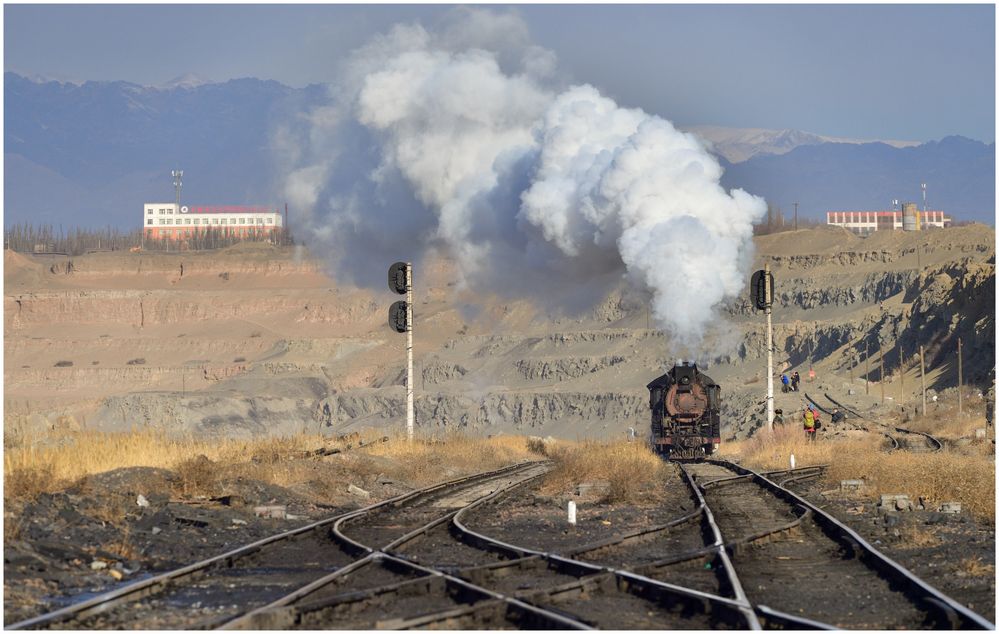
x: 685, y: 406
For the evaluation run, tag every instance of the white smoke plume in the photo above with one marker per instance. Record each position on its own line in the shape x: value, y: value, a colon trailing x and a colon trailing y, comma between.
x: 459, y: 140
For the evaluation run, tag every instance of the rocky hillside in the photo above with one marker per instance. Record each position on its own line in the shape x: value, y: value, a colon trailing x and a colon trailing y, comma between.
x: 257, y: 340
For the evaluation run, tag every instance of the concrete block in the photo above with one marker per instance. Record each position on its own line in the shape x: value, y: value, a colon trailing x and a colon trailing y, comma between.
x: 895, y: 502
x: 358, y: 492
x: 593, y: 490
x: 980, y: 432
x: 950, y: 507
x: 275, y: 511
x: 851, y: 485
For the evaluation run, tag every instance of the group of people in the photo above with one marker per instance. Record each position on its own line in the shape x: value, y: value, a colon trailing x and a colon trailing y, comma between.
x: 810, y: 419
x: 790, y: 385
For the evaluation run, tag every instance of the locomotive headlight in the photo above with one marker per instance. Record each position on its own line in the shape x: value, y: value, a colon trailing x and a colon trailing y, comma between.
x: 685, y: 380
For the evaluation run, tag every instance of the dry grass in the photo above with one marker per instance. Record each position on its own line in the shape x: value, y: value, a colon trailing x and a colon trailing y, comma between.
x: 441, y: 457
x: 974, y: 567
x: 942, y: 476
x: 915, y: 537
x: 630, y: 468
x: 50, y: 463
x: 203, y: 466
x: 947, y: 425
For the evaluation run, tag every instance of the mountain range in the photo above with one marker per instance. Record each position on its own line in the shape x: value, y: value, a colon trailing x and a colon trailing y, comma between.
x: 91, y: 153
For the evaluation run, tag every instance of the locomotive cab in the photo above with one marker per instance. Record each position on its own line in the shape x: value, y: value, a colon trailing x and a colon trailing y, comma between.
x: 685, y: 406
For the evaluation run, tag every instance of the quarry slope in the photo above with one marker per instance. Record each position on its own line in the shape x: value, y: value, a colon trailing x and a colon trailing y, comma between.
x: 257, y: 339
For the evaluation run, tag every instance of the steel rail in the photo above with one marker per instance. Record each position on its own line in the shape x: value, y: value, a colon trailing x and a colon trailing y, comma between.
x: 849, y: 410
x: 153, y: 585
x: 580, y: 568
x: 935, y: 444
x: 818, y: 469
x: 283, y: 612
x: 952, y: 612
x: 891, y: 439
x: 362, y: 549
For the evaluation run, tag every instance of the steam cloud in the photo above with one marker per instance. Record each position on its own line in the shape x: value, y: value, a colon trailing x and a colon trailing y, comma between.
x: 460, y: 139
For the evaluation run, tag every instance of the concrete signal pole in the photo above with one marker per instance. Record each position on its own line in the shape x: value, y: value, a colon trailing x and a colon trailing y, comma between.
x: 400, y: 281
x: 410, y: 414
x: 762, y: 292
x: 770, y: 348
x: 922, y: 378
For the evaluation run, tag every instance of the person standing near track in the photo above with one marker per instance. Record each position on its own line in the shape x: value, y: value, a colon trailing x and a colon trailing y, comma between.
x: 808, y: 418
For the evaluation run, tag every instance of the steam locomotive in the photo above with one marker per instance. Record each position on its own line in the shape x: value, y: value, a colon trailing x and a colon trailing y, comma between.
x: 685, y: 406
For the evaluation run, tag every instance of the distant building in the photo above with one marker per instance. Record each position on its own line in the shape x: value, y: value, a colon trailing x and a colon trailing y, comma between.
x: 908, y: 219
x: 165, y: 221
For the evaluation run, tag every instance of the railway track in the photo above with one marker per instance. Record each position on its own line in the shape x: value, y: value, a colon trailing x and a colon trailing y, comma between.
x: 794, y: 559
x: 897, y: 437
x: 743, y: 553
x: 482, y: 582
x: 213, y: 591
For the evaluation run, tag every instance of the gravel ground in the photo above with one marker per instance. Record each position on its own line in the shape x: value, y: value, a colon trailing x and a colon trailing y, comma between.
x: 941, y: 548
x: 51, y: 545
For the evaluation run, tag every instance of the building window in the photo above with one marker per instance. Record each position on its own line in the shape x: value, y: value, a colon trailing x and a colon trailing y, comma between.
x: 270, y: 221
x: 149, y: 222
x: 216, y: 221
x: 149, y: 212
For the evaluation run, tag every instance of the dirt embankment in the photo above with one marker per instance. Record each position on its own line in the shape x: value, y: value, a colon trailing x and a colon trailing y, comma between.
x: 257, y: 338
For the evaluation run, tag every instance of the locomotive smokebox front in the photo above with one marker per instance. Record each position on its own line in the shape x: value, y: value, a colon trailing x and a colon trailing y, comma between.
x: 685, y: 413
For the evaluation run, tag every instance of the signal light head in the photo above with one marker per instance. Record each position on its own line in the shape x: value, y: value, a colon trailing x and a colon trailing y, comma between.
x: 397, y: 278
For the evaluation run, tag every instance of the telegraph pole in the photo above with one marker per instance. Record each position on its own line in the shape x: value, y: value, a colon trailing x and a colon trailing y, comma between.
x: 901, y: 376
x: 795, y: 216
x: 881, y: 371
x: 960, y: 379
x: 867, y: 370
x: 922, y: 377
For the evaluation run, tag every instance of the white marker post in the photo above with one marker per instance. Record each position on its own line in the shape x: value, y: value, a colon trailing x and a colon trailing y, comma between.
x: 572, y: 513
x: 410, y: 415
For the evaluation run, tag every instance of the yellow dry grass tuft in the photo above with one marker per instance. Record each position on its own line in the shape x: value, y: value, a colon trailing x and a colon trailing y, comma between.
x: 203, y: 466
x: 431, y: 459
x: 974, y: 567
x: 631, y: 469
x: 50, y: 463
x: 941, y: 477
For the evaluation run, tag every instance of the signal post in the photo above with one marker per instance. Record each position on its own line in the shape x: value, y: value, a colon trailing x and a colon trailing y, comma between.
x: 763, y: 293
x: 400, y: 280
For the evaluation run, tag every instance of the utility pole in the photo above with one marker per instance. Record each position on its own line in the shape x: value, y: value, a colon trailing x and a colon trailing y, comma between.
x: 795, y: 216
x: 922, y: 377
x: 901, y: 376
x: 881, y: 370
x: 867, y: 370
x: 960, y: 379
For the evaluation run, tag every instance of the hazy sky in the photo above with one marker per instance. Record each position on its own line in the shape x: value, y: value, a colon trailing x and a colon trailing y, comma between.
x: 914, y: 72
